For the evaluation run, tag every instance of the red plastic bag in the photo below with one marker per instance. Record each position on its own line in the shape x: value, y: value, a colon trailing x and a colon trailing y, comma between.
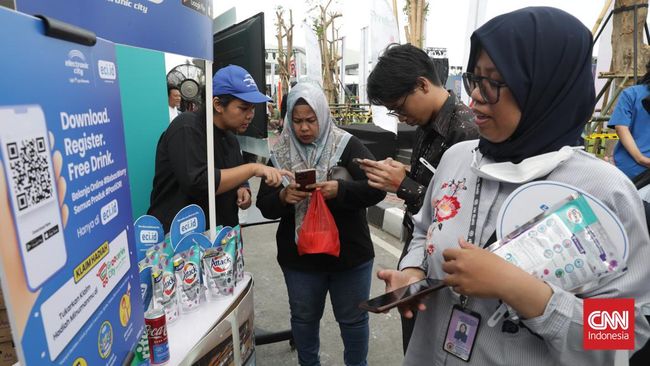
x: 318, y: 233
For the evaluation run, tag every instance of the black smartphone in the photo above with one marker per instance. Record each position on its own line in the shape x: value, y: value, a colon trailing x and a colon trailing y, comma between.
x: 304, y: 178
x: 391, y: 299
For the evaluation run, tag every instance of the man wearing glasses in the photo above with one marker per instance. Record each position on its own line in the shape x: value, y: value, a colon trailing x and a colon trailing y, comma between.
x: 405, y: 81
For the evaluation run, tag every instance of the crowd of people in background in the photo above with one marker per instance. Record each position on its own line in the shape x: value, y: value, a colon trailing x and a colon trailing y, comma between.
x: 530, y: 80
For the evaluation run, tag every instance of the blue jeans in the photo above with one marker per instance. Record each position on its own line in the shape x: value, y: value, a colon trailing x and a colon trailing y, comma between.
x: 307, y: 293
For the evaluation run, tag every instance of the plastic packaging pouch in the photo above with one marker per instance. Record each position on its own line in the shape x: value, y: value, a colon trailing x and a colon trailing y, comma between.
x: 565, y: 245
x: 219, y: 265
x: 164, y: 288
x: 188, y: 274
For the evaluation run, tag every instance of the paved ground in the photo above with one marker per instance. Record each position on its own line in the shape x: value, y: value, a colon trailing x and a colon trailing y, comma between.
x: 272, y: 308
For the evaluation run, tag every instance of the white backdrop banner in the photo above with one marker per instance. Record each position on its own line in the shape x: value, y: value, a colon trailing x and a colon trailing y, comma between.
x: 312, y: 50
x: 383, y: 31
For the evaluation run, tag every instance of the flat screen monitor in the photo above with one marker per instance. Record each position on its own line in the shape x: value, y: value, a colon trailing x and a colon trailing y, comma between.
x: 243, y: 44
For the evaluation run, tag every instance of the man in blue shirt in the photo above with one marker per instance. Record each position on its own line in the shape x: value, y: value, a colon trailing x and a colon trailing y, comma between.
x: 632, y: 123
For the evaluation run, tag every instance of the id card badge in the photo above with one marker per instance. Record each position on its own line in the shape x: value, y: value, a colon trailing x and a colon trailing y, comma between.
x: 461, y: 332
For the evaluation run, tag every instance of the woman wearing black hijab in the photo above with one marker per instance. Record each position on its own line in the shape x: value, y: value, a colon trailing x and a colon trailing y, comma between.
x: 530, y: 78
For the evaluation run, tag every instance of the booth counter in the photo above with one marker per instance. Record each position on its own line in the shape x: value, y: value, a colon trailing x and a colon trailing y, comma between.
x: 218, y: 333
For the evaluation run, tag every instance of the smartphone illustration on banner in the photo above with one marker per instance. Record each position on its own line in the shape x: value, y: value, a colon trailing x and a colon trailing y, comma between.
x: 29, y: 172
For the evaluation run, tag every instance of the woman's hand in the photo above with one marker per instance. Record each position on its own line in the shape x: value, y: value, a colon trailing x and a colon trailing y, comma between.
x: 291, y: 195
x: 396, y: 279
x: 474, y: 271
x: 329, y: 189
x: 272, y: 176
x: 243, y: 198
x: 385, y: 175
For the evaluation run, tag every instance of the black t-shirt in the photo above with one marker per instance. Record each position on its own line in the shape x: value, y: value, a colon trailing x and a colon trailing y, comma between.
x: 181, y: 176
x: 348, y: 209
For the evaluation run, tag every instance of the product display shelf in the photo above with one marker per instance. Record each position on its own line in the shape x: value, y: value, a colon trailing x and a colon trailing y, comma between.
x: 189, y: 329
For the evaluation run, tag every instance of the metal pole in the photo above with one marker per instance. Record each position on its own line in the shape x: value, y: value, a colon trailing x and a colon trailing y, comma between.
x: 396, y: 19
x: 363, y: 66
x: 635, y: 43
x: 603, y: 26
x: 273, y: 80
x: 342, y: 73
x: 212, y: 190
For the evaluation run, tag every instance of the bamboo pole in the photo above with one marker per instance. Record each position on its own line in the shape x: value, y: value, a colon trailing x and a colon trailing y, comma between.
x: 603, y: 12
x: 412, y: 20
x: 396, y: 19
x: 418, y: 21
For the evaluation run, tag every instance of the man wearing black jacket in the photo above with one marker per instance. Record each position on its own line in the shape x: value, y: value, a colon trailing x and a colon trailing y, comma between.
x: 181, y: 176
x: 405, y: 81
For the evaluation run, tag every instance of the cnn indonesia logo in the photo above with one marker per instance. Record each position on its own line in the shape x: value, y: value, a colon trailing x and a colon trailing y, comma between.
x: 608, y: 324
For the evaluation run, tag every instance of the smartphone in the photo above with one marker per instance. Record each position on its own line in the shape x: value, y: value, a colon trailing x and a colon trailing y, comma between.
x: 304, y: 178
x: 391, y: 299
x: 27, y: 160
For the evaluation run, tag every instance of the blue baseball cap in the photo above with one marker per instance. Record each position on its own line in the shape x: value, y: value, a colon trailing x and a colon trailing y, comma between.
x: 238, y: 82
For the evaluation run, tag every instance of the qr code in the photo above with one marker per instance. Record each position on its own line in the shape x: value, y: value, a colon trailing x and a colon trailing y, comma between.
x: 29, y: 172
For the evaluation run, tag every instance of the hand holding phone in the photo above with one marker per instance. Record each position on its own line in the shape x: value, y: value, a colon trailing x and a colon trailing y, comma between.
x: 402, y: 295
x: 292, y: 195
x: 304, y: 178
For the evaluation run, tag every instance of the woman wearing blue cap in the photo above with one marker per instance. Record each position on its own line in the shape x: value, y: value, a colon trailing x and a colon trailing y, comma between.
x: 181, y: 176
x: 529, y: 74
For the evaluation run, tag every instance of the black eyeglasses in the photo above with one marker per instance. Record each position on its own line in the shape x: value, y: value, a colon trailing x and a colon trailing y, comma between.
x: 399, y: 111
x: 490, y: 89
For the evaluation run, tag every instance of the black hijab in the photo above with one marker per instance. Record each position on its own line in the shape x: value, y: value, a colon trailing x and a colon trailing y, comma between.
x: 544, y: 55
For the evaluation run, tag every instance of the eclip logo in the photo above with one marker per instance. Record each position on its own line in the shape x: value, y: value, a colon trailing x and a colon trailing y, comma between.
x: 189, y: 224
x: 608, y: 324
x: 107, y: 70
x: 149, y: 236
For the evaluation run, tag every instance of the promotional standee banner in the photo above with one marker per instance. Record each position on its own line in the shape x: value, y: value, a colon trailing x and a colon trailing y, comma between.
x: 69, y: 268
x: 178, y: 26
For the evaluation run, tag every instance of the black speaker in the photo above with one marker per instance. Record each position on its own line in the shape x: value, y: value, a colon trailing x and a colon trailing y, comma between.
x: 243, y: 45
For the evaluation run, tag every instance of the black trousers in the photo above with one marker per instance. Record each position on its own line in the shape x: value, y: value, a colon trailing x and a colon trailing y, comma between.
x: 642, y: 356
x: 407, y: 324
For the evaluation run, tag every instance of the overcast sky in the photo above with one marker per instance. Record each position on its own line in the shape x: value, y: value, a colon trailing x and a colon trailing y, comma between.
x: 446, y: 22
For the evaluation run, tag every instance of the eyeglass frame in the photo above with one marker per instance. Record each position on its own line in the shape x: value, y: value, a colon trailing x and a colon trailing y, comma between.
x: 477, y: 80
x: 398, y: 112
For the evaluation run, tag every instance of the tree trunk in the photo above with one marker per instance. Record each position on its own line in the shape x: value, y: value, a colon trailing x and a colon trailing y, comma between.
x: 328, y: 49
x: 416, y: 11
x: 623, y: 40
x: 284, y: 57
